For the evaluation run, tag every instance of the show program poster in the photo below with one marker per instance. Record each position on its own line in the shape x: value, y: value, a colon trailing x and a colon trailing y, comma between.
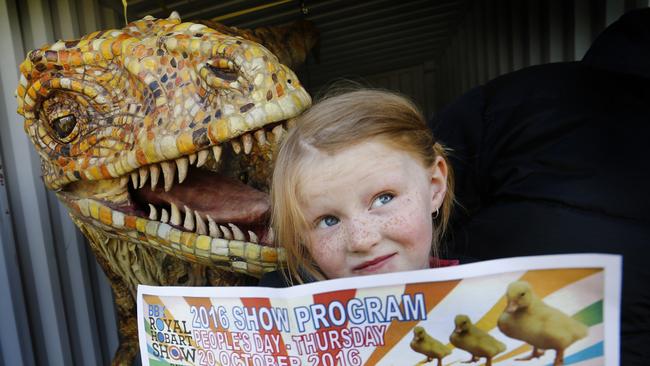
x: 453, y: 314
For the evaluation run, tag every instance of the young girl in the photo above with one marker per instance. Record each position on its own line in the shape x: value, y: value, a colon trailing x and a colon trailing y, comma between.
x: 359, y: 187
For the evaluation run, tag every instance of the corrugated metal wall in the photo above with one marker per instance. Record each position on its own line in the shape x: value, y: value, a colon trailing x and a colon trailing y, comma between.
x: 500, y: 36
x: 55, y: 305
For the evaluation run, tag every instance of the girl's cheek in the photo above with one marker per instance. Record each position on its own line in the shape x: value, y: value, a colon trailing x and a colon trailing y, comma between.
x: 326, y: 242
x: 406, y: 225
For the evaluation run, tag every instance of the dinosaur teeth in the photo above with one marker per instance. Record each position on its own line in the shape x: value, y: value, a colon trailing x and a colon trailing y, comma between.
x: 189, y: 219
x: 182, y: 165
x: 269, y: 136
x: 201, y: 229
x: 154, y: 172
x: 164, y: 216
x: 134, y: 179
x: 216, y: 151
x: 252, y: 236
x: 192, y: 158
x: 168, y: 174
x: 278, y: 132
x: 202, y: 157
x: 236, y: 146
x: 144, y: 175
x: 153, y: 215
x: 124, y: 181
x: 271, y: 235
x: 213, y: 228
x: 226, y: 232
x: 176, y: 215
x: 237, y: 233
x: 260, y: 136
x: 247, y: 140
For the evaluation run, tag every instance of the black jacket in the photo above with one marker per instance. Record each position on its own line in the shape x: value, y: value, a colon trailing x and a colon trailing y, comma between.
x: 556, y: 159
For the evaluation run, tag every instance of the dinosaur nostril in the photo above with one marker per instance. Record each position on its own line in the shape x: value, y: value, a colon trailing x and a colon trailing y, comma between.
x: 223, y: 73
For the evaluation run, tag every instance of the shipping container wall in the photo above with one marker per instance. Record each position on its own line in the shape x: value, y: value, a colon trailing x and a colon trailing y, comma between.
x: 499, y: 36
x: 56, y: 306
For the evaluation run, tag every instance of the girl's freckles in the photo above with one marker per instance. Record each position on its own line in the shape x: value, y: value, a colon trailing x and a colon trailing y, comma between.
x: 394, y: 221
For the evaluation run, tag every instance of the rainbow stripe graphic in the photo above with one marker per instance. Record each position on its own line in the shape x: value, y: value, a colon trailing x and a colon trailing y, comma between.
x: 215, y: 338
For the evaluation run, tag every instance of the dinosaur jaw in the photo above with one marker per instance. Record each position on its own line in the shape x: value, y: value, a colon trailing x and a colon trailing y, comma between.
x: 188, y: 206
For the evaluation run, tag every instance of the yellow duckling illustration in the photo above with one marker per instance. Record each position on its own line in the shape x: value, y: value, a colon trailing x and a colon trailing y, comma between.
x: 477, y: 342
x: 423, y: 343
x: 529, y: 319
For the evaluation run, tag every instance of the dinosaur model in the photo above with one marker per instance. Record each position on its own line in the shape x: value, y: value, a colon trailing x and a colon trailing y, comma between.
x: 158, y: 138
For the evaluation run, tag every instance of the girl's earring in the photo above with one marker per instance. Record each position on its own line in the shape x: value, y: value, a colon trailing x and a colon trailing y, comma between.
x: 436, y: 214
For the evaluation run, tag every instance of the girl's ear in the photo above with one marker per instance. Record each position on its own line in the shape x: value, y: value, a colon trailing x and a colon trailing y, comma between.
x: 438, y: 172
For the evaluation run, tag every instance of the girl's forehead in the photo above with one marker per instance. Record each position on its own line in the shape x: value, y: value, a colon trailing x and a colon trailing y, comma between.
x: 350, y: 166
x: 358, y: 155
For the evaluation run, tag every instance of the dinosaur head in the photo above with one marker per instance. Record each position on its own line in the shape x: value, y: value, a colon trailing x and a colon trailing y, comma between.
x: 161, y: 133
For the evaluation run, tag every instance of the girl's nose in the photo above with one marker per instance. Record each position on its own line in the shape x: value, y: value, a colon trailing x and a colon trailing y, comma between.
x: 362, y: 235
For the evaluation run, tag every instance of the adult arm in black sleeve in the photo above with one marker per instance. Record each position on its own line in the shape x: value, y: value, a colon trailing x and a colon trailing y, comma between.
x: 461, y: 127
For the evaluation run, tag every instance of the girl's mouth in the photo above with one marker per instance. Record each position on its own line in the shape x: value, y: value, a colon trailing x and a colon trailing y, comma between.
x: 373, y: 265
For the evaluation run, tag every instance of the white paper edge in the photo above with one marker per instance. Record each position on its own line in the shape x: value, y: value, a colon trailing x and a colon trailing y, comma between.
x: 611, y: 264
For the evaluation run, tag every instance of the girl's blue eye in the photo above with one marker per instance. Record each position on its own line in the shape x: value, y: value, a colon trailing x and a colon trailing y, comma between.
x: 382, y: 199
x: 328, y: 221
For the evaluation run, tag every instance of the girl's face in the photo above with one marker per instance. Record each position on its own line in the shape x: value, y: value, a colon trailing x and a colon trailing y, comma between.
x: 369, y: 209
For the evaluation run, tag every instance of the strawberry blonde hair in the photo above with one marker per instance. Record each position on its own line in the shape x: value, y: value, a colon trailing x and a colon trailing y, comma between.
x: 337, y: 122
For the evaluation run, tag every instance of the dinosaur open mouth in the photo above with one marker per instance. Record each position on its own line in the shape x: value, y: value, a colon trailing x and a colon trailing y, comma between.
x: 220, y: 192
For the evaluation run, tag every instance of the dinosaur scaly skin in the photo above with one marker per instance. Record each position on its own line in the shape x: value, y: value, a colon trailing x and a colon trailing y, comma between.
x: 122, y: 121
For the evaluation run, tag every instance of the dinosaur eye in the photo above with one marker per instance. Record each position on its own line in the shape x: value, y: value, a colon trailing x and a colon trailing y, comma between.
x: 63, y: 114
x: 64, y: 126
x: 224, y: 73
